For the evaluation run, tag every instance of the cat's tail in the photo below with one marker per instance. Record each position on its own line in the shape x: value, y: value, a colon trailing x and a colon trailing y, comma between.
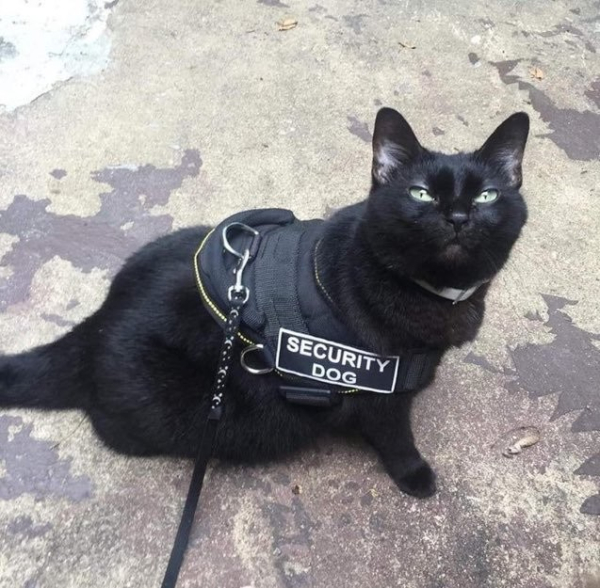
x: 51, y: 376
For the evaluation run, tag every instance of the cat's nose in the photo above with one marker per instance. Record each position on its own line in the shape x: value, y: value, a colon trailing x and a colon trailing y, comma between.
x: 458, y: 219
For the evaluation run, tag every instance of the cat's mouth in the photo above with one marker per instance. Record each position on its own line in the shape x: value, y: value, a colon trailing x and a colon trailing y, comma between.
x: 454, y: 250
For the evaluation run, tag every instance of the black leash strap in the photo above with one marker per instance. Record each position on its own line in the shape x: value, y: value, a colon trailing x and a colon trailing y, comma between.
x: 191, y: 503
x: 206, y: 444
x: 238, y: 296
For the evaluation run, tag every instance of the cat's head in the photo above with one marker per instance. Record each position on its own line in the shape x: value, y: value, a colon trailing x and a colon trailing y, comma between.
x: 448, y: 219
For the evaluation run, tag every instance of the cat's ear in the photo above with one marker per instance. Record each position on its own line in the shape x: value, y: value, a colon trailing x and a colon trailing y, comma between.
x: 505, y: 147
x: 394, y: 144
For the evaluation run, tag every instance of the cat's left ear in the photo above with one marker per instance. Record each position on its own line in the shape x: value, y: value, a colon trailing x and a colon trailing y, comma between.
x: 505, y: 147
x: 394, y: 144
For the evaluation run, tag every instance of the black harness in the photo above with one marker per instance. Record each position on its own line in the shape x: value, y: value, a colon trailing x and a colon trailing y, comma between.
x: 289, y: 322
x: 257, y: 274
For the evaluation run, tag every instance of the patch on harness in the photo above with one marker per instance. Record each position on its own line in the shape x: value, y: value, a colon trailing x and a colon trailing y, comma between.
x: 341, y: 365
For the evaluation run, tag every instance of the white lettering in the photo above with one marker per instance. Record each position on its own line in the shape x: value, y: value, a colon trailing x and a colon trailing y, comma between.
x: 306, y: 347
x: 316, y: 351
x: 382, y: 364
x: 329, y: 353
x: 334, y: 374
x: 349, y: 378
x: 368, y: 361
x: 318, y: 370
x: 349, y: 358
x: 292, y: 344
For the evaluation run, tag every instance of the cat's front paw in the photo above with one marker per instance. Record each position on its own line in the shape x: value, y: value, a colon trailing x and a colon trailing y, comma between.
x: 419, y: 481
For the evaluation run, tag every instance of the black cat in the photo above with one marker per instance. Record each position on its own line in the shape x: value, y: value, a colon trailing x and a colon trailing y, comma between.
x: 143, y: 364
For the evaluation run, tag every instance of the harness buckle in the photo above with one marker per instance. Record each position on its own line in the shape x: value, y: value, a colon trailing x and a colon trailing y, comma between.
x: 320, y: 397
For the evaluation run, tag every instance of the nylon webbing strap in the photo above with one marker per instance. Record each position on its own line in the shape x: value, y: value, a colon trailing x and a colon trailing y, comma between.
x: 191, y: 504
x: 416, y: 369
x: 206, y: 444
x: 272, y: 289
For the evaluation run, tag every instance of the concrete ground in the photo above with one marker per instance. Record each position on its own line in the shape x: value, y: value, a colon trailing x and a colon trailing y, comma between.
x: 155, y: 115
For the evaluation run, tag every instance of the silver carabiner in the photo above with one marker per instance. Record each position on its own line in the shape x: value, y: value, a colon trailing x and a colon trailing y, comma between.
x: 243, y: 258
x: 226, y: 242
x: 250, y: 369
x: 239, y: 271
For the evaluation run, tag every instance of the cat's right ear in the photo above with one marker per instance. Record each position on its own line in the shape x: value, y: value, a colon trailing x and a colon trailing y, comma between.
x: 394, y: 145
x: 504, y: 149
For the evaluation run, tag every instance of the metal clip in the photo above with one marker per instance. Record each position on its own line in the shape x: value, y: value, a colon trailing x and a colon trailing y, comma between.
x: 242, y: 227
x: 244, y: 258
x: 239, y: 287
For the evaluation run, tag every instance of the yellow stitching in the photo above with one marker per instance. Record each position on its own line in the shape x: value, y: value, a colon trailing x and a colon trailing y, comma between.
x: 317, y: 275
x: 203, y: 293
x: 216, y: 310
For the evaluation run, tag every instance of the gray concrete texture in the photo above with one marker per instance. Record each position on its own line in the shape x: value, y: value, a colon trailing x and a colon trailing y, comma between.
x: 205, y: 108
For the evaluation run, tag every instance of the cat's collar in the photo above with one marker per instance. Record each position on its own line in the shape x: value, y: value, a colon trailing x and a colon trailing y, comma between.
x: 454, y: 294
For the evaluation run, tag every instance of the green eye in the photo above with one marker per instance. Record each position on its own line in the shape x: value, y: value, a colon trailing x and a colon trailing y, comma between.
x: 420, y: 194
x: 486, y: 196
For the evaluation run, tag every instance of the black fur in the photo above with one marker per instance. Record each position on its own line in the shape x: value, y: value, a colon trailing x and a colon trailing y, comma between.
x: 143, y: 364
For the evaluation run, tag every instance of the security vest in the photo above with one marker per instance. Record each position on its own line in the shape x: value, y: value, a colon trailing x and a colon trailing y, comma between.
x: 289, y: 318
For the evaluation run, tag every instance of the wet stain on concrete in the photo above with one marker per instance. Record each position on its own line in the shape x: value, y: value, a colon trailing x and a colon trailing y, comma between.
x: 576, y: 133
x: 73, y: 304
x: 7, y: 49
x: 57, y: 320
x: 568, y: 29
x: 25, y: 527
x: 568, y: 366
x: 482, y: 362
x: 275, y: 3
x: 59, y: 174
x: 359, y: 129
x: 32, y: 466
x: 590, y: 467
x: 122, y: 225
x: 355, y: 22
x: 292, y: 541
x: 591, y: 506
x: 593, y: 92
x: 473, y: 58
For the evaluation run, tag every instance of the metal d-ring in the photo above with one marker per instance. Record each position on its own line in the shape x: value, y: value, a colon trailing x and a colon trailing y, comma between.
x: 249, y: 369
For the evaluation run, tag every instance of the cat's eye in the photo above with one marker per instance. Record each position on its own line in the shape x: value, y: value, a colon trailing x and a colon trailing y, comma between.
x: 421, y: 194
x: 486, y: 196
